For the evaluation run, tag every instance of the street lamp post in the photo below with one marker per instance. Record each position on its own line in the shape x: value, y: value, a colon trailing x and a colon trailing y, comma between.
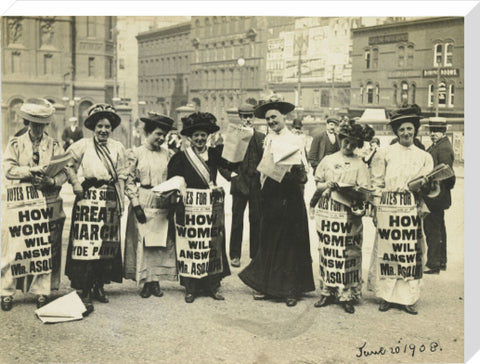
x: 241, y: 63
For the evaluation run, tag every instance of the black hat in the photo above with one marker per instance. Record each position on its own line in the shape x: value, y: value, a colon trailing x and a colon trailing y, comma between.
x: 297, y: 123
x: 437, y: 124
x: 350, y: 129
x: 199, y: 121
x: 159, y: 120
x: 246, y: 109
x: 101, y: 111
x: 274, y: 103
x: 409, y: 113
x: 332, y: 120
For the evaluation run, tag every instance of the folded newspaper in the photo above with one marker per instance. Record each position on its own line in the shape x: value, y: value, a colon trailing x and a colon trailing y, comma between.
x: 347, y: 194
x: 56, y: 164
x: 236, y: 143
x: 286, y: 155
x: 66, y: 308
x: 271, y: 169
x: 439, y: 173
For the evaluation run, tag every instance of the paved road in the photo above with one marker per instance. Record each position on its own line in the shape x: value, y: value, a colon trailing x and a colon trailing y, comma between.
x: 240, y: 330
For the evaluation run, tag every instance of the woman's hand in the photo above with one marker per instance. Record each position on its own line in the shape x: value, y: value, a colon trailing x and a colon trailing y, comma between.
x: 327, y: 193
x: 332, y: 186
x: 78, y: 191
x: 140, y: 214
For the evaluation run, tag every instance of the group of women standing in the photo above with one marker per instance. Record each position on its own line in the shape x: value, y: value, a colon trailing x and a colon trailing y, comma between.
x: 282, y: 267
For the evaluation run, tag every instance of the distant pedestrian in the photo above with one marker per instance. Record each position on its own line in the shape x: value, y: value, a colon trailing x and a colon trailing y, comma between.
x: 324, y: 144
x: 435, y: 231
x: 71, y: 133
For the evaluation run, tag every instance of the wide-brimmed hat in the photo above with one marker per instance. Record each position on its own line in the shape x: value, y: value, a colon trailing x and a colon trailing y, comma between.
x: 274, y: 103
x: 437, y: 124
x: 246, y: 109
x: 37, y: 110
x: 101, y: 111
x: 159, y: 120
x: 408, y: 113
x: 199, y: 121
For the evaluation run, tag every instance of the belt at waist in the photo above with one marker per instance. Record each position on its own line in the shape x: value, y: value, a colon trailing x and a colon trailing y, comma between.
x: 89, y: 182
x: 147, y: 187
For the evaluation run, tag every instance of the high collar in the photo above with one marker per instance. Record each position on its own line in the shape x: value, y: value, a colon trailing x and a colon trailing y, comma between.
x: 35, y: 140
x: 101, y: 143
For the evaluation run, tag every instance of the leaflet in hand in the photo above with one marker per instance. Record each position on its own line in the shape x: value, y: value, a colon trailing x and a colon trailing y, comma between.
x: 288, y: 154
x: 236, y: 143
x: 270, y: 169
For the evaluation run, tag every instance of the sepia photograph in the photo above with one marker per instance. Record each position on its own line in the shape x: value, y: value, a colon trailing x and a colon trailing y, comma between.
x: 232, y: 188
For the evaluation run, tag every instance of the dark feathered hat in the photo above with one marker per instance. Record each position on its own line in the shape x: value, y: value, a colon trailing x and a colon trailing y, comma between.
x: 199, y: 121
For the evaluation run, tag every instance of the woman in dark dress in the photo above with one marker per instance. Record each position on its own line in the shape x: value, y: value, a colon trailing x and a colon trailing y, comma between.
x: 282, y: 267
x: 104, y: 165
x: 198, y: 165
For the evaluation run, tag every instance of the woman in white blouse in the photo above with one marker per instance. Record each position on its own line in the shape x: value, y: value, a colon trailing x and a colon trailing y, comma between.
x: 94, y: 255
x: 391, y: 170
x: 149, y: 256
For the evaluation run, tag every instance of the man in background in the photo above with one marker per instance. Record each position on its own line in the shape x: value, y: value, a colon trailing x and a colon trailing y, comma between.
x: 434, y: 223
x: 245, y: 188
x: 324, y: 144
x: 71, y: 133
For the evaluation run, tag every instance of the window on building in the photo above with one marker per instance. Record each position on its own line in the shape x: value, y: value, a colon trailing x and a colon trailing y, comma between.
x: 374, y: 58
x: 316, y: 97
x: 448, y: 54
x: 442, y: 94
x: 438, y: 55
x: 395, y: 93
x: 369, y: 93
x: 404, y: 93
x: 16, y: 62
x: 121, y: 63
x: 109, y: 68
x: 47, y: 64
x: 401, y: 57
x: 91, y: 30
x: 451, y: 95
x: 367, y: 60
x: 377, y: 93
x: 431, y: 95
x: 91, y: 66
x: 361, y: 94
x: 410, y: 52
x: 414, y: 92
x: 325, y: 99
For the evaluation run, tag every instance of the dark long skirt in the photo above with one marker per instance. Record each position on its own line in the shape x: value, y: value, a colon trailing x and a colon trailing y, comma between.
x: 84, y: 273
x: 282, y: 266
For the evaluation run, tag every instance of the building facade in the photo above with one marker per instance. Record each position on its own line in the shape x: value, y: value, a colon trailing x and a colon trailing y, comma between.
x: 67, y: 60
x: 228, y: 61
x: 311, y: 64
x: 394, y: 64
x: 163, y: 68
x: 127, y: 54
